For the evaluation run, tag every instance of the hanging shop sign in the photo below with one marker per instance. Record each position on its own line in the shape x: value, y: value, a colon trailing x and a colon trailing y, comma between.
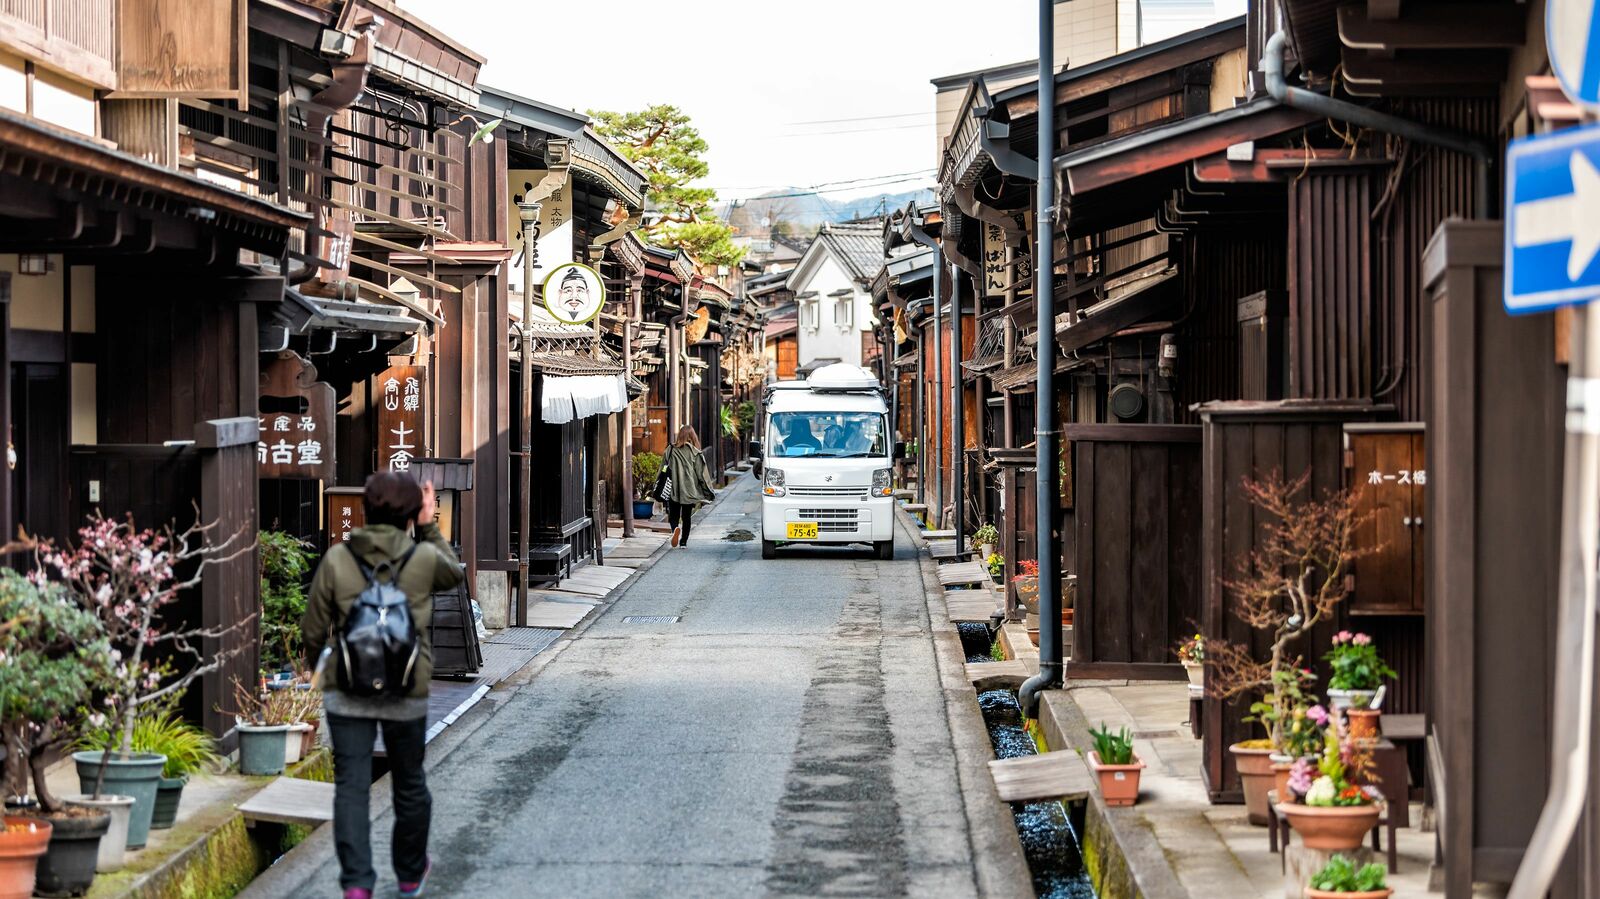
x: 401, y: 421
x: 574, y: 293
x: 343, y: 511
x: 995, y: 274
x: 296, y: 416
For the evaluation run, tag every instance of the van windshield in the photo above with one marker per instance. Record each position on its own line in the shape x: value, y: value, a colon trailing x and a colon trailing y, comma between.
x: 828, y: 435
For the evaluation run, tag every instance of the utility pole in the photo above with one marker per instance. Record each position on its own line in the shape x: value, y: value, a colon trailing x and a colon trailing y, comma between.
x: 528, y: 214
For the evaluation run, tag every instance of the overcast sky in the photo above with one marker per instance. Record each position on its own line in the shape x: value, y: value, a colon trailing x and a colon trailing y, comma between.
x: 786, y: 94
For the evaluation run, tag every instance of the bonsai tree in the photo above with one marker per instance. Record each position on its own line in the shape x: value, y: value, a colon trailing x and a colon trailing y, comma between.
x: 52, y: 653
x: 646, y: 468
x: 1291, y: 582
x: 126, y: 578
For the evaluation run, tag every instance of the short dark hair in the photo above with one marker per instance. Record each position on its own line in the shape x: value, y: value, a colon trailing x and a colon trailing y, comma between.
x: 392, y: 497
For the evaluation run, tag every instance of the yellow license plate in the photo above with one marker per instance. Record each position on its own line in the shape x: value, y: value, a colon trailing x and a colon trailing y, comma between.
x: 802, y: 530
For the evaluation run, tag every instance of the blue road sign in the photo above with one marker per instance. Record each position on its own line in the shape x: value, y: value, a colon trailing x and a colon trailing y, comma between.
x: 1552, y: 220
x: 1572, y: 34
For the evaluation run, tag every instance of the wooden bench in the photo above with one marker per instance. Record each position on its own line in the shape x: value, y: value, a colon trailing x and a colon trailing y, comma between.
x: 557, y: 555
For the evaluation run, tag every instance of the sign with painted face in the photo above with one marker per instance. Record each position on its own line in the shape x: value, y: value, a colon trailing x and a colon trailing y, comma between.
x: 573, y: 293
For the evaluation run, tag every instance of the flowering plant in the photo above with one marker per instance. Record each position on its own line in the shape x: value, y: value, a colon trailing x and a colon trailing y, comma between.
x: 125, y: 578
x: 1027, y: 568
x: 1338, y: 764
x: 1303, y: 732
x: 52, y: 654
x: 996, y: 564
x: 1192, y: 649
x: 1286, y: 708
x: 986, y: 535
x: 1355, y: 663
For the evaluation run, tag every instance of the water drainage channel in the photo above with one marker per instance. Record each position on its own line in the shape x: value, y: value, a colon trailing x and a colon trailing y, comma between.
x: 1049, y: 831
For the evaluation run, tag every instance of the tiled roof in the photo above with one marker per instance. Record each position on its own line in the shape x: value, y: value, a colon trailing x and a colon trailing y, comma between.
x: 858, y: 246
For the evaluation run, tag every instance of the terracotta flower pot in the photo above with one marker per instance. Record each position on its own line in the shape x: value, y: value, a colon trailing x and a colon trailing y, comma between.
x: 1337, y: 828
x: 1119, y: 784
x: 1255, y: 775
x: 1362, y: 723
x: 19, y: 854
x: 1333, y: 894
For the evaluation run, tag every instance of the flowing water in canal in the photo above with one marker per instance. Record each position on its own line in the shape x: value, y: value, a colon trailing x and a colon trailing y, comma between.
x: 1049, y: 839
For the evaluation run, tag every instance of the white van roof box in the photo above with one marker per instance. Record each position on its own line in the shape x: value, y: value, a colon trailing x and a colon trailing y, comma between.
x: 842, y: 376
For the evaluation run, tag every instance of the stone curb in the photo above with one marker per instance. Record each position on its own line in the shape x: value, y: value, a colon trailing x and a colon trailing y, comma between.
x: 999, y: 864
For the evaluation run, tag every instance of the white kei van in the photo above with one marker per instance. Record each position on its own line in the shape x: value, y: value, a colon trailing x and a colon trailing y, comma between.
x: 827, y: 462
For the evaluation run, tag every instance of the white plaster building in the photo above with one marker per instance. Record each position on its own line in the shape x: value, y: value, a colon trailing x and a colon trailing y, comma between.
x: 832, y: 289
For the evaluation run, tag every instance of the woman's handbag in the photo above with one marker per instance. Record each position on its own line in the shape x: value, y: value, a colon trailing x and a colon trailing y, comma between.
x: 664, y: 486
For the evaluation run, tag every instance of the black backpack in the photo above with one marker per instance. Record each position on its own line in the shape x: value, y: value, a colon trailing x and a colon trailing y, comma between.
x: 379, y: 646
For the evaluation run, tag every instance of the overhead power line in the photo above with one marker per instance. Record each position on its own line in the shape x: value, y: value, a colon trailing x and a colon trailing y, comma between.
x: 867, y: 118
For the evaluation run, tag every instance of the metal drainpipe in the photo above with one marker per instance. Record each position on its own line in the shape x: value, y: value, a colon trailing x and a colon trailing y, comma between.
x: 1050, y: 655
x: 957, y: 414
x: 938, y: 389
x: 922, y: 422
x: 1480, y: 150
x: 528, y: 213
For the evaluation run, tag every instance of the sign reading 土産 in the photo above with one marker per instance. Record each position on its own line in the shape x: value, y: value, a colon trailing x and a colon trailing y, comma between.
x: 296, y: 416
x: 401, y: 419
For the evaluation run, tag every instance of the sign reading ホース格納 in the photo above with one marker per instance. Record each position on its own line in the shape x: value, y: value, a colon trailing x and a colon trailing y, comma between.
x: 1552, y: 220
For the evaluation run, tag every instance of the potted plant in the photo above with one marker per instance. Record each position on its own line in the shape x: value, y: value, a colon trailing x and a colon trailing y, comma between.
x: 125, y: 577
x: 646, y: 468
x: 1303, y: 734
x: 52, y: 653
x: 996, y: 564
x: 297, y: 705
x: 1328, y: 810
x: 1292, y: 581
x: 22, y: 842
x: 985, y: 539
x: 263, y: 729
x: 1355, y: 685
x: 1192, y: 654
x: 1027, y: 585
x: 187, y: 749
x: 1341, y: 879
x: 1115, y: 766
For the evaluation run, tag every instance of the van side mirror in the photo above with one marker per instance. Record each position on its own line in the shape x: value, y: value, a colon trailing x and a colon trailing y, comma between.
x: 899, y: 449
x: 755, y: 448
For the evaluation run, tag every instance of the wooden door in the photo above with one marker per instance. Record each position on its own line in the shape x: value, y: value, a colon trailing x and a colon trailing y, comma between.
x: 40, y: 428
x: 1388, y: 470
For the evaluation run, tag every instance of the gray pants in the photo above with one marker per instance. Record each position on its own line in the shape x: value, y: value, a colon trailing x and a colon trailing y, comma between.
x: 352, y: 779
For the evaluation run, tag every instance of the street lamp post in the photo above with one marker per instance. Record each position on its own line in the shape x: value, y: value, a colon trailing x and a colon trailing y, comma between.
x: 528, y: 214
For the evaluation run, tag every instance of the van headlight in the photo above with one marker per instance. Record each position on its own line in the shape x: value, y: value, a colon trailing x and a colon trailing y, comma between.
x: 882, y: 483
x: 772, y: 483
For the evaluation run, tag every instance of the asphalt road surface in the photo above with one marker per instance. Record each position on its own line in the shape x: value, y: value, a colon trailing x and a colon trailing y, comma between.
x: 748, y: 748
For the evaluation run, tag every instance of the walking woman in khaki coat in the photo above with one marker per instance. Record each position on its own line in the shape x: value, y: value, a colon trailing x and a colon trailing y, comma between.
x: 686, y: 481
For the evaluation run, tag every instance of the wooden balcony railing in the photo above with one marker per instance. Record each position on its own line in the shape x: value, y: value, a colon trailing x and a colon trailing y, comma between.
x: 75, y: 37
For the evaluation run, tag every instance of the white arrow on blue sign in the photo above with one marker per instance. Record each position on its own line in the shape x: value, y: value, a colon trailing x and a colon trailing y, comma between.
x: 1572, y: 33
x: 1553, y: 227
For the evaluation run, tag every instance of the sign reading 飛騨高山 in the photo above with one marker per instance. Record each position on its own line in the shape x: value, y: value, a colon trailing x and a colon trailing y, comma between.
x: 401, y: 423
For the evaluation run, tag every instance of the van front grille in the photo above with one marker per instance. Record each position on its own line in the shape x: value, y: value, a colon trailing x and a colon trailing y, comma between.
x: 828, y: 514
x: 827, y: 491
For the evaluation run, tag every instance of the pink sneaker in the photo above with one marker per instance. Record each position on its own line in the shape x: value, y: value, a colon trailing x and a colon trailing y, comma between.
x: 357, y: 893
x: 411, y: 890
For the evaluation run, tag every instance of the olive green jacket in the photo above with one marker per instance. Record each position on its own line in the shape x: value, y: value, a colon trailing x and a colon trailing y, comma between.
x: 338, y: 581
x: 691, y: 482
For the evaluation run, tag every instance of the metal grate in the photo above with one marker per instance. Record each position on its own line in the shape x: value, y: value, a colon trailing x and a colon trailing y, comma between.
x: 650, y: 619
x: 829, y: 514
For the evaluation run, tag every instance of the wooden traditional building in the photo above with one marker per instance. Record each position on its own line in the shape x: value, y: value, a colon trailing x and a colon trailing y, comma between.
x: 1247, y: 282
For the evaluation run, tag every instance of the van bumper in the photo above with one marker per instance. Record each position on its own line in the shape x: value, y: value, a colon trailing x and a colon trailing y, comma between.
x: 852, y: 521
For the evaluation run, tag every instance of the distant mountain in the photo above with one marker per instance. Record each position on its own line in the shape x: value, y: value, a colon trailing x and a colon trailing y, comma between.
x: 805, y: 213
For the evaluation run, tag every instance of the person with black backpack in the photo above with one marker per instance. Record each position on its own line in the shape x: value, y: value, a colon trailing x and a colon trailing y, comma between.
x: 366, y: 630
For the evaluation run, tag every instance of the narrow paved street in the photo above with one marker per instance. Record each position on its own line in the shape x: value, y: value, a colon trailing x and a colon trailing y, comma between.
x: 744, y: 749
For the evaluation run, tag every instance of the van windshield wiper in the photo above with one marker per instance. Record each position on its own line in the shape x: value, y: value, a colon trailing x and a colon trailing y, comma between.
x: 843, y: 455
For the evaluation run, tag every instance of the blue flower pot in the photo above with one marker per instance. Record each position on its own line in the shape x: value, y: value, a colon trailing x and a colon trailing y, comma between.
x: 643, y: 508
x: 138, y: 776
